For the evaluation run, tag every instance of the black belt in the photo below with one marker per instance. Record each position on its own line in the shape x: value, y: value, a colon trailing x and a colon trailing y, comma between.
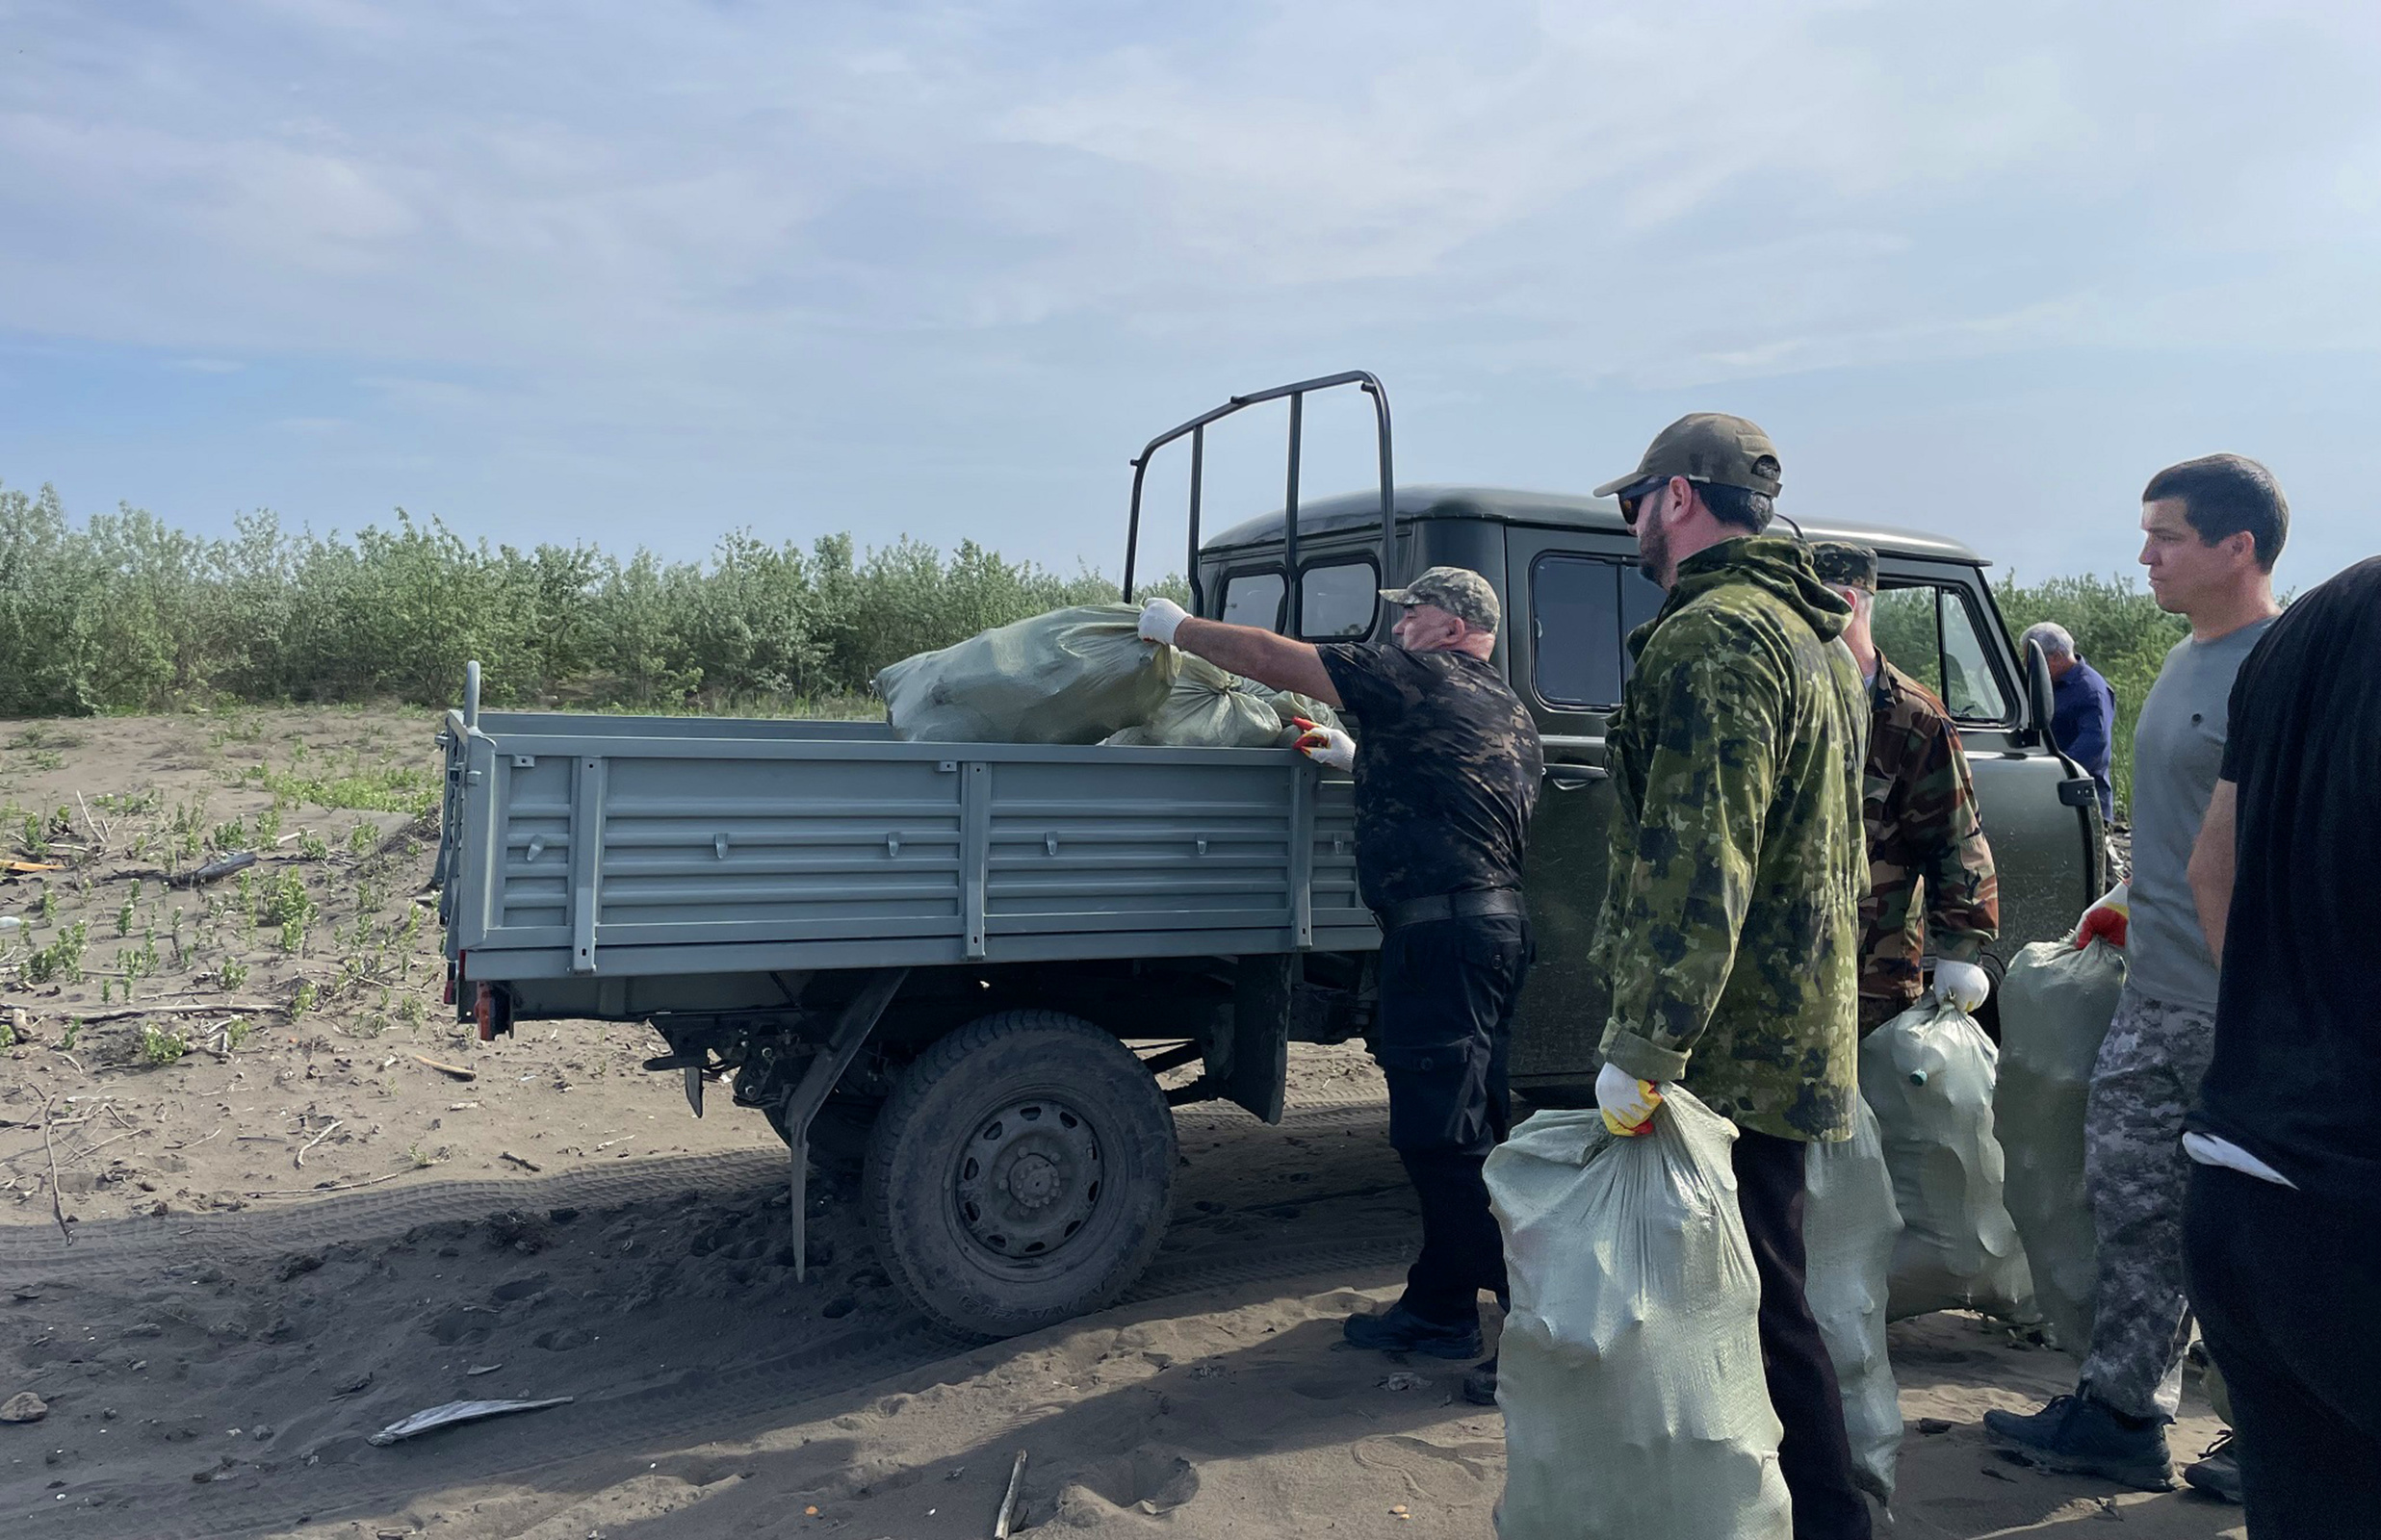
x: 1451, y: 906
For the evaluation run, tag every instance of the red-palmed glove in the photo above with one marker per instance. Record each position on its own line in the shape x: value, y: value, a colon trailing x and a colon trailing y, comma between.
x: 1326, y: 745
x: 2108, y: 920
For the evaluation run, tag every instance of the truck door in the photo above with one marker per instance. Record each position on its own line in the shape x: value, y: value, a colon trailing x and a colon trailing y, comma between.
x: 1571, y: 600
x: 1940, y: 629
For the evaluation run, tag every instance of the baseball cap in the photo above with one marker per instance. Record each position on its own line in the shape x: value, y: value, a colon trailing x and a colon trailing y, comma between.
x: 1708, y: 447
x: 1841, y: 565
x: 1460, y: 591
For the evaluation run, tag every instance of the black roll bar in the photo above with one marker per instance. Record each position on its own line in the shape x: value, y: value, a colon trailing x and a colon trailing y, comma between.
x: 1197, y: 429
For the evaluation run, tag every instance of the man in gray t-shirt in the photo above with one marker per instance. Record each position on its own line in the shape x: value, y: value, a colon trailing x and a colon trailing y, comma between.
x: 2213, y: 530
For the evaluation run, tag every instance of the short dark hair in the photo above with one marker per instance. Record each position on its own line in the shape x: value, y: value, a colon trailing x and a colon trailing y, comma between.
x: 1741, y: 506
x: 2226, y: 495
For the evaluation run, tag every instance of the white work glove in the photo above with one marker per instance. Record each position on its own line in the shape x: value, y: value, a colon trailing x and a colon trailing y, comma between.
x: 1961, y: 985
x: 1626, y: 1102
x: 1326, y: 745
x: 2108, y: 920
x: 1161, y: 619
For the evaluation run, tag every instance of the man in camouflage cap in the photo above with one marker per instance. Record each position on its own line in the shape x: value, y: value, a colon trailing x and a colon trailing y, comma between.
x: 1446, y: 778
x: 1460, y: 591
x: 1730, y: 933
x: 1918, y: 810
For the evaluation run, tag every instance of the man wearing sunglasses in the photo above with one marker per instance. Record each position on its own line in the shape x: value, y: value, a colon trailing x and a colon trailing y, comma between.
x: 1731, y: 929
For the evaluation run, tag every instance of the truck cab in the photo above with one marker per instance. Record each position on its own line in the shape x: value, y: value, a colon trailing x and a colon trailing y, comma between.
x: 1565, y: 567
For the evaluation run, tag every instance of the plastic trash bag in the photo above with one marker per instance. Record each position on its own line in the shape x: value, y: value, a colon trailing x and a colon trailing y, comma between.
x: 2056, y: 1006
x: 1928, y: 1073
x: 1072, y: 676
x: 1850, y: 1227
x: 1630, y: 1374
x: 1212, y: 709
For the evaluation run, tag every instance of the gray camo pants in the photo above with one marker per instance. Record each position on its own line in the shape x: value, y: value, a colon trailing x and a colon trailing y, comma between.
x: 2145, y: 1079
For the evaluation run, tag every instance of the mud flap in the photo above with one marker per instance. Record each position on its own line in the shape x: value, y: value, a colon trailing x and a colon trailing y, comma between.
x: 1260, y: 1035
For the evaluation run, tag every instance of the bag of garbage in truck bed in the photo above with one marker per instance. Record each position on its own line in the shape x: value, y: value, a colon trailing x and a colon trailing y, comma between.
x: 1929, y: 1073
x: 1072, y: 676
x: 1851, y: 1229
x: 1630, y: 1371
x: 1210, y: 708
x: 2056, y: 1006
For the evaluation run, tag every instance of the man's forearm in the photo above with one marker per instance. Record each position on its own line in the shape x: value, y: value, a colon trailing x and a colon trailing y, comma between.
x: 2211, y: 866
x: 1275, y: 662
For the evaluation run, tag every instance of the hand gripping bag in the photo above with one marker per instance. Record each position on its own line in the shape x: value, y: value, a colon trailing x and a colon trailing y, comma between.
x: 2055, y: 1005
x: 1635, y: 1406
x: 1850, y: 1227
x: 1929, y: 1074
x: 1072, y: 676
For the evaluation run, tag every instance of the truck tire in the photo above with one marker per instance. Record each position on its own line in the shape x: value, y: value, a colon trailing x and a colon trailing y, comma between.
x: 1020, y: 1174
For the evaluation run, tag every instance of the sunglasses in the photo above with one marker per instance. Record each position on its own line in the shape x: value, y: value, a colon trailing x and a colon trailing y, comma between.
x: 1631, y: 498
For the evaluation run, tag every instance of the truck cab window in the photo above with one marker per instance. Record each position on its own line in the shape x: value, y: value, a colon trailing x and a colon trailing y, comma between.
x: 1575, y: 656
x: 1931, y: 635
x: 1338, y: 602
x: 1253, y: 598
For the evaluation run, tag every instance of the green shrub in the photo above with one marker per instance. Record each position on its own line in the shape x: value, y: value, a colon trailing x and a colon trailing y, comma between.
x: 123, y: 613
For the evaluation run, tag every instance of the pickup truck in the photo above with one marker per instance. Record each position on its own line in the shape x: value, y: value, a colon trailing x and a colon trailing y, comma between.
x: 988, y: 972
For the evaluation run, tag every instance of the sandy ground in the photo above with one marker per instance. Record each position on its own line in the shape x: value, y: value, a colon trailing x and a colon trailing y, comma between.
x: 296, y: 1232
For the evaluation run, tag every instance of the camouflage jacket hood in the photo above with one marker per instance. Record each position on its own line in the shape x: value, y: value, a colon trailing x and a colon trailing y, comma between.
x: 1779, y: 568
x: 1730, y: 934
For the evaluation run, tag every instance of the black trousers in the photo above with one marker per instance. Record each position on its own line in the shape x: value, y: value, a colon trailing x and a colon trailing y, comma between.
x: 2285, y: 1286
x: 1815, y: 1455
x: 1443, y: 1034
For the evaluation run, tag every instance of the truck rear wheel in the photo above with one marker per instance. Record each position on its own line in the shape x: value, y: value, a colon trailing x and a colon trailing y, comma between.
x: 1020, y: 1174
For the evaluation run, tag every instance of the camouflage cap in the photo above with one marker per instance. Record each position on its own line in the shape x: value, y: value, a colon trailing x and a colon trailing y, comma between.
x: 1709, y: 446
x: 1844, y: 566
x: 1460, y: 591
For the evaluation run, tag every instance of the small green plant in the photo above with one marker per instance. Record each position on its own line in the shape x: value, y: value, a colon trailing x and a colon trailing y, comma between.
x: 107, y: 992
x: 362, y: 840
x: 233, y: 835
x: 236, y: 1032
x: 269, y: 827
x: 312, y: 846
x: 67, y: 1039
x: 292, y: 935
x: 232, y: 974
x: 60, y: 961
x: 49, y: 907
x: 162, y: 1048
x: 124, y: 919
x: 34, y: 842
x: 302, y: 1001
x: 414, y: 1153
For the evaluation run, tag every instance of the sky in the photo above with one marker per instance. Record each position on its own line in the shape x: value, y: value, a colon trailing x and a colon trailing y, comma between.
x: 640, y: 273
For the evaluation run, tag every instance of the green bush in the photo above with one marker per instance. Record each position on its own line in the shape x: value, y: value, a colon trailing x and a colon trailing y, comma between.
x: 126, y: 614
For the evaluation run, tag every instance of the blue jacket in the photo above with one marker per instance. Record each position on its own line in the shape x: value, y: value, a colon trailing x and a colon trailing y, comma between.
x: 2083, y: 712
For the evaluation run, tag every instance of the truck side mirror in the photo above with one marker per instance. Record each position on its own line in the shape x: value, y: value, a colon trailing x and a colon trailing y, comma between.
x: 2041, y: 699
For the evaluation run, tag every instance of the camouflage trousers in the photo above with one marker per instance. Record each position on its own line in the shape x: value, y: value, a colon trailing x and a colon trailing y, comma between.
x: 2146, y: 1077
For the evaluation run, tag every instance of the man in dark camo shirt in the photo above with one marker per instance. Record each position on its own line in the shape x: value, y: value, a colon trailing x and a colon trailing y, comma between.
x: 1446, y: 775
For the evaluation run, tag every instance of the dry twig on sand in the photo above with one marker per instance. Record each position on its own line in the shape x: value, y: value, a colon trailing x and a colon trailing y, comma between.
x: 316, y: 1139
x: 57, y: 1210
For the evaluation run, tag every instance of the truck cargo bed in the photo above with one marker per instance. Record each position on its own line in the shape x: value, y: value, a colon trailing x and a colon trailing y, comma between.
x: 614, y: 847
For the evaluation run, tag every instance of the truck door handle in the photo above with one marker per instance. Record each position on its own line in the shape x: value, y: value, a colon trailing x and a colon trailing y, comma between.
x: 1576, y: 777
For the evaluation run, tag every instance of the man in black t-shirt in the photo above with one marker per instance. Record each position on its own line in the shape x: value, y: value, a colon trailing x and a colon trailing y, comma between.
x: 2282, y: 1223
x: 1446, y: 775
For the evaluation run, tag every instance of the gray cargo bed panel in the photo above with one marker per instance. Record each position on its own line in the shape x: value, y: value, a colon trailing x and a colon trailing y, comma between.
x: 620, y: 846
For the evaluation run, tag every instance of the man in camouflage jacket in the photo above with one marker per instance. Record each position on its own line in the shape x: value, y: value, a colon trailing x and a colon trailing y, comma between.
x: 1730, y: 932
x: 1918, y: 804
